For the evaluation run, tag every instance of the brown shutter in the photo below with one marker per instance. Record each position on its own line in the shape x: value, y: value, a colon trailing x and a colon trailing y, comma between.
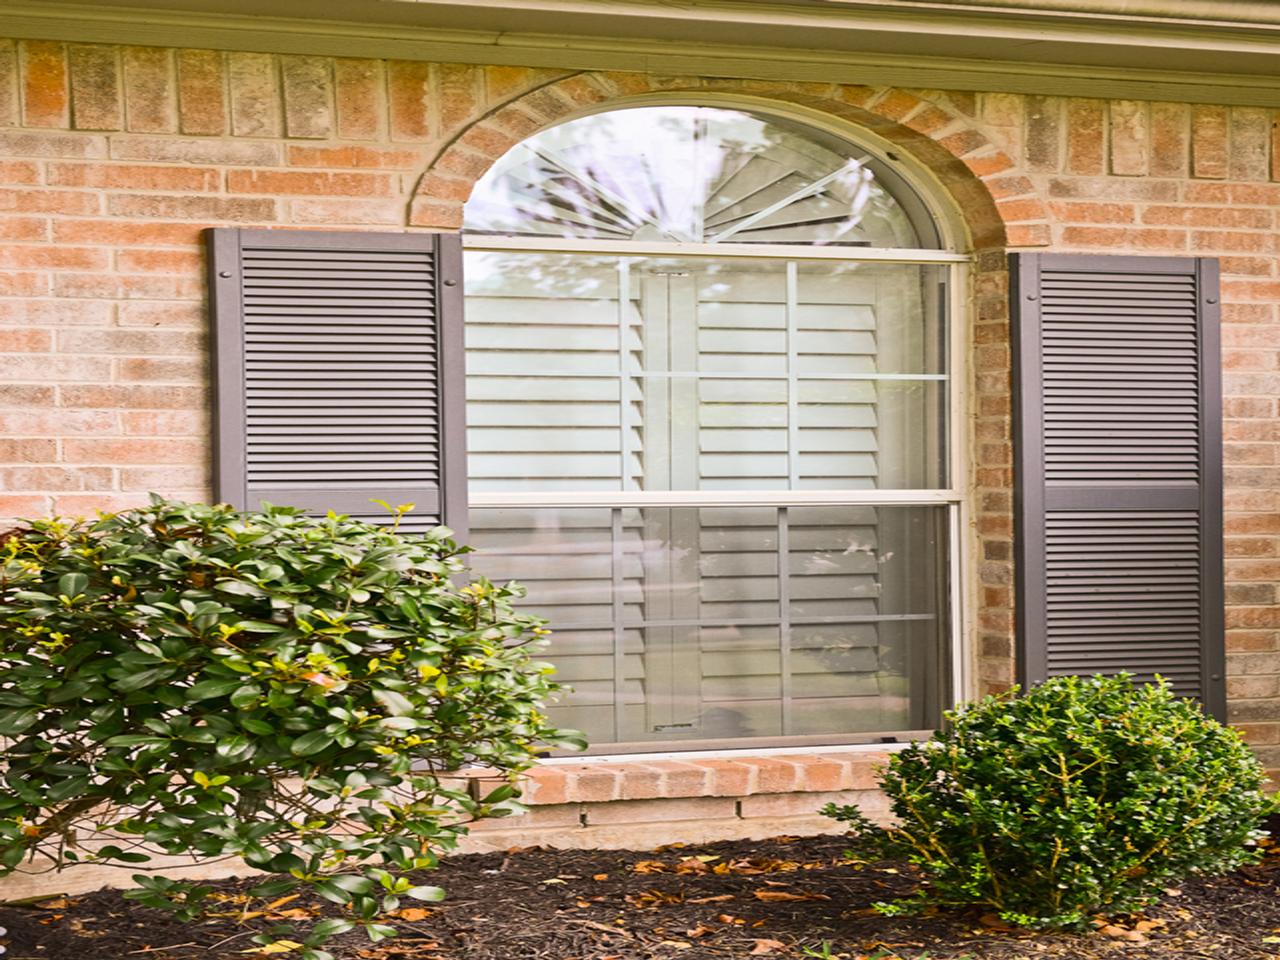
x: 1118, y: 452
x: 339, y: 371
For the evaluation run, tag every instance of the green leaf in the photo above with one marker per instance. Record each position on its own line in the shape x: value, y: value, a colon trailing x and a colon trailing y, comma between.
x: 352, y: 883
x: 208, y: 689
x: 73, y: 584
x: 331, y: 928
x: 140, y: 679
x: 245, y: 696
x: 310, y: 743
x: 13, y: 722
x: 396, y: 704
x: 431, y: 894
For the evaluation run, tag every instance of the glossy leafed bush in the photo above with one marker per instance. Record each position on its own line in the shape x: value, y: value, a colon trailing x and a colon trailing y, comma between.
x: 194, y: 681
x: 1083, y: 796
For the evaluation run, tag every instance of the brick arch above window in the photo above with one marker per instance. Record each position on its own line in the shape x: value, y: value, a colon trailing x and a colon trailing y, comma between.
x: 999, y: 203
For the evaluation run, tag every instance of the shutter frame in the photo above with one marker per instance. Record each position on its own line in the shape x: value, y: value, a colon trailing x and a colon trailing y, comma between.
x: 1035, y: 498
x: 226, y: 250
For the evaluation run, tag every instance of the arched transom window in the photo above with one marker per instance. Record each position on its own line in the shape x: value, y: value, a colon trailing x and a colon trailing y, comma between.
x: 709, y: 412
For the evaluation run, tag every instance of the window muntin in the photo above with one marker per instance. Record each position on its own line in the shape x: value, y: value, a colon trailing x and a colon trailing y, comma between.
x: 720, y: 464
x: 696, y: 175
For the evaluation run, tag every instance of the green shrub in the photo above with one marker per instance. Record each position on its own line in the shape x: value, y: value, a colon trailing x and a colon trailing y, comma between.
x: 192, y: 680
x: 1084, y: 796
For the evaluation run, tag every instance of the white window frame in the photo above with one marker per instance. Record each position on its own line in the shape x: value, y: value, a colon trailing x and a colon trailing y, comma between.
x: 953, y: 497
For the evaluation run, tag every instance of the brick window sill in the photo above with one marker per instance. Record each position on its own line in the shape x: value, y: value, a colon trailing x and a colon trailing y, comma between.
x: 603, y: 781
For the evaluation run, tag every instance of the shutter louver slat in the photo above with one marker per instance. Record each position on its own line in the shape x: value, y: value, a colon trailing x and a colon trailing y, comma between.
x: 1117, y: 426
x: 339, y: 372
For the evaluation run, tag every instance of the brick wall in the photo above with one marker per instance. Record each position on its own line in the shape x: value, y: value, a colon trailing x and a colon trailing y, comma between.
x: 113, y: 159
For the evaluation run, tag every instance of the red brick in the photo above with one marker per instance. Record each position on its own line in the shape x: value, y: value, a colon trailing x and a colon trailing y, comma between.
x: 1170, y: 139
x: 172, y: 315
x: 24, y: 505
x: 1027, y: 234
x: 182, y: 150
x: 95, y: 88
x: 18, y: 143
x: 45, y: 257
x: 162, y: 479
x: 150, y: 93
x: 1209, y: 216
x: 161, y: 423
x: 457, y: 89
x: 57, y: 478
x: 118, y: 232
x: 255, y: 95
x: 308, y: 96
x: 10, y: 99
x: 43, y: 368
x: 202, y: 92
x: 359, y: 98
x: 135, y: 397
x: 354, y: 157
x: 409, y: 93
x: 593, y: 784
x: 544, y: 785
x: 1112, y: 188
x: 91, y: 504
x: 161, y: 207
x: 120, y: 286
x: 1250, y: 140
x: 160, y: 261
x: 19, y: 172
x: 161, y: 370
x: 23, y: 229
x: 1130, y: 138
x: 140, y: 341
x: 135, y: 450
x: 1086, y: 138
x: 1118, y: 237
x: 13, y: 284
x: 729, y: 778
x: 45, y: 97
x: 58, y: 422
x: 74, y: 202
x: 126, y: 176
x: 1209, y: 153
x: 296, y: 182
x: 1084, y: 212
x: 16, y: 396
x: 1044, y: 133
x: 27, y: 451
x: 347, y: 212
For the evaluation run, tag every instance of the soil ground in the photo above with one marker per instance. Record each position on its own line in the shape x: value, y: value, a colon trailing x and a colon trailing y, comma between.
x: 782, y: 898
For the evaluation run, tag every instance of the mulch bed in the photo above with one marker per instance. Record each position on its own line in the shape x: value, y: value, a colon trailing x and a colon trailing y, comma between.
x: 780, y: 898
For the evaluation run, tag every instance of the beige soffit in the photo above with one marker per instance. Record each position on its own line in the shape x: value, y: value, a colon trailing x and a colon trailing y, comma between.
x: 1193, y: 50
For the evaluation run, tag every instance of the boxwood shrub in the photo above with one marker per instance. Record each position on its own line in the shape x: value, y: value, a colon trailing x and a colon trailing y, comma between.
x: 1082, y: 796
x: 288, y: 690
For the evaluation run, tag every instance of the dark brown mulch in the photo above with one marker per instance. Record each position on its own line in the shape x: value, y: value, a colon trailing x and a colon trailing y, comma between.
x: 775, y: 898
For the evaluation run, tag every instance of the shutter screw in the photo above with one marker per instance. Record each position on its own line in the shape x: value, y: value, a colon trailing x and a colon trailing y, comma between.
x: 1216, y: 676
x: 225, y: 274
x: 451, y: 283
x: 1032, y: 296
x: 1210, y: 299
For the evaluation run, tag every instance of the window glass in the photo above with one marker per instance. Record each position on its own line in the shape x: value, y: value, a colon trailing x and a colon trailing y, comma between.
x: 680, y: 624
x: 605, y: 373
x: 695, y: 174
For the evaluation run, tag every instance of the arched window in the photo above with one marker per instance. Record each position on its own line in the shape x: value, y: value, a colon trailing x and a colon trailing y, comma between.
x: 709, y: 409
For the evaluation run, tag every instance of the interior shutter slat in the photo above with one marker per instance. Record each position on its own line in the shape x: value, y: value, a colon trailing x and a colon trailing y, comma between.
x: 1117, y: 431
x: 340, y: 372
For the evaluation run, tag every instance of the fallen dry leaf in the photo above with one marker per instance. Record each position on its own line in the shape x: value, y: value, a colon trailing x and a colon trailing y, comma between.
x: 720, y: 899
x: 766, y: 946
x: 413, y: 914
x: 770, y: 896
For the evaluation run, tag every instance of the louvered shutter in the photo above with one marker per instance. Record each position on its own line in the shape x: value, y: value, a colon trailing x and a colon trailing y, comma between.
x: 1118, y: 435
x: 339, y: 372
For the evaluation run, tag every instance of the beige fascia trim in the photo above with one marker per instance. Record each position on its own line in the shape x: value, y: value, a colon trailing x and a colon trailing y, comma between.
x: 48, y: 20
